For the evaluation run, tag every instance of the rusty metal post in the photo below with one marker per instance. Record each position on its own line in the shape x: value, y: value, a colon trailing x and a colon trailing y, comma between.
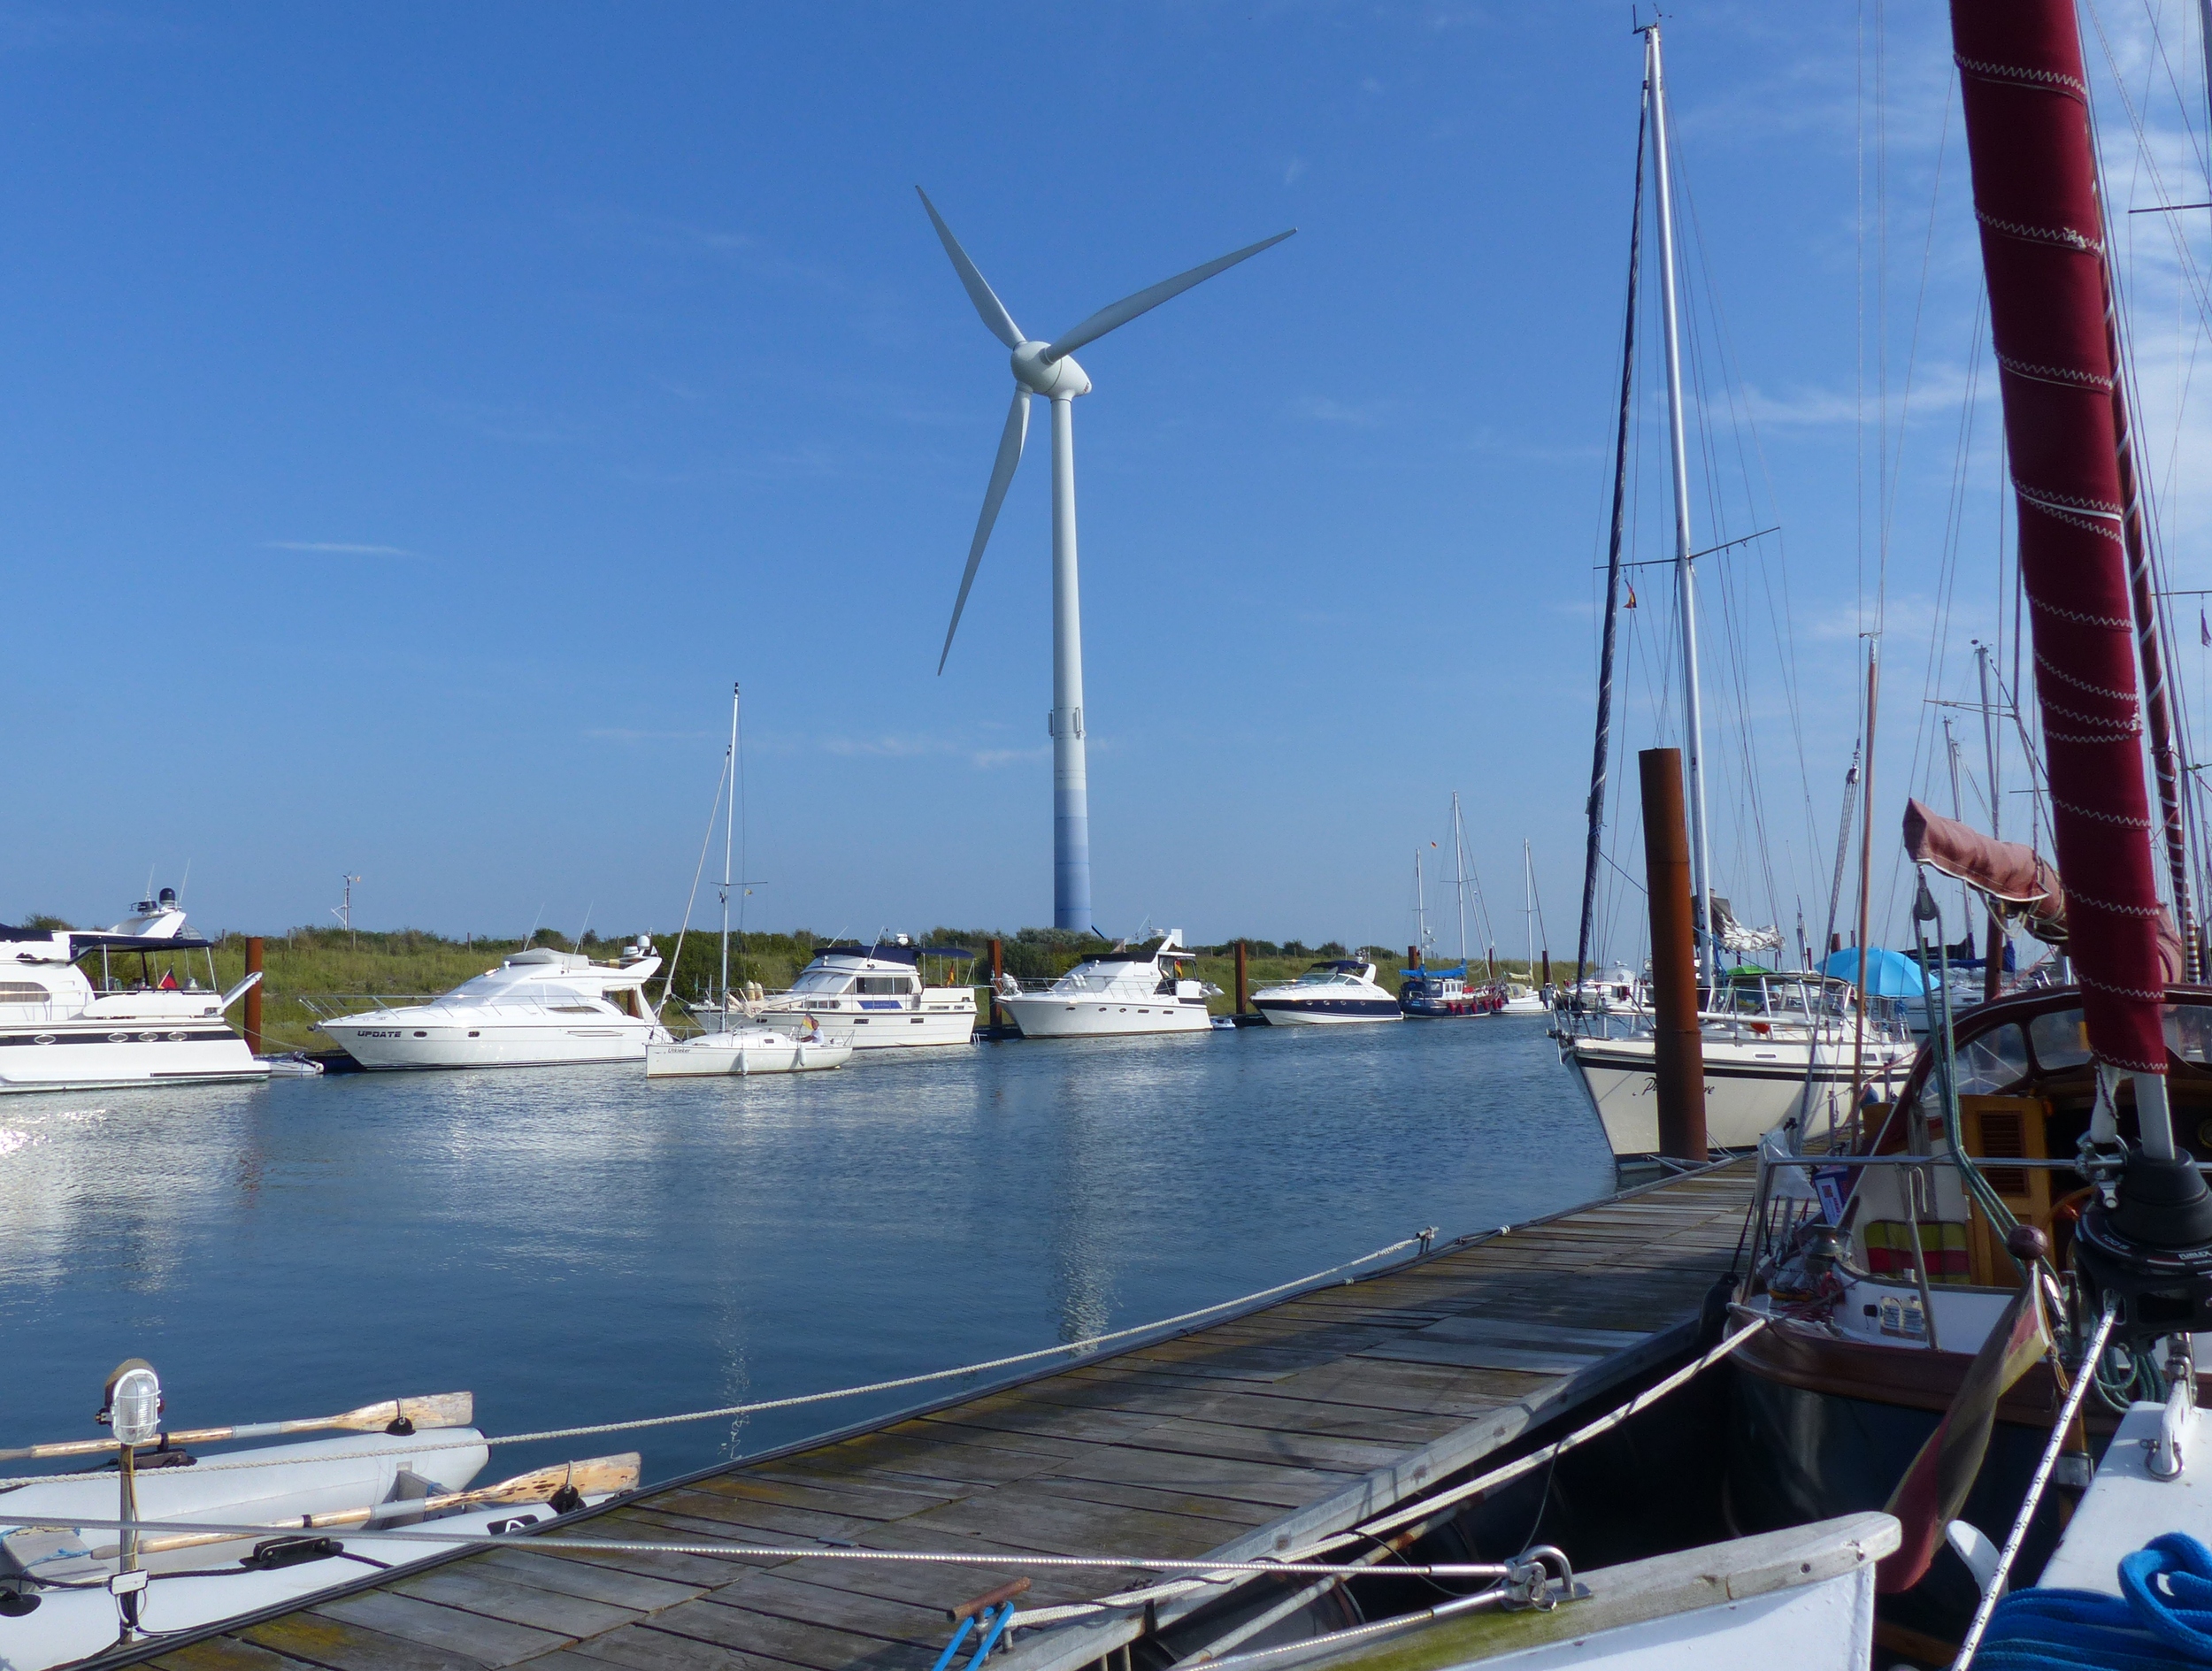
x: 1680, y: 1046
x: 1243, y: 985
x: 253, y: 994
x: 1413, y: 957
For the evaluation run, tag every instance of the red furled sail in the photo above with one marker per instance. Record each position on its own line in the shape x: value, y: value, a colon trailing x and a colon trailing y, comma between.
x: 2035, y: 194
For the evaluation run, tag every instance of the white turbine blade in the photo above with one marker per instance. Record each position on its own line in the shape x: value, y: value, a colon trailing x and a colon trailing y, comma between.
x: 1010, y: 454
x: 1127, y: 309
x: 995, y: 317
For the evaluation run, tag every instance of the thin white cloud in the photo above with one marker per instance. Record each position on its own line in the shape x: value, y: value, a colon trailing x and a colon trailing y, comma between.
x: 337, y: 548
x: 624, y: 734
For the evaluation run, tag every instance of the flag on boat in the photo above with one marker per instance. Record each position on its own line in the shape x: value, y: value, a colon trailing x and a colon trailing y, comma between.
x: 1631, y: 600
x: 1935, y: 1487
x: 2204, y: 629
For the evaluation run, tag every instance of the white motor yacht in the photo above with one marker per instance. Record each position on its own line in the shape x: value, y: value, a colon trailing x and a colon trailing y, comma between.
x: 869, y: 997
x: 1127, y: 990
x: 1342, y: 989
x: 539, y: 1008
x: 146, y: 1021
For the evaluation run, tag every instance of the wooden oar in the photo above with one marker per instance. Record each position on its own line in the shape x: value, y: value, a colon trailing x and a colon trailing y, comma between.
x: 592, y: 1478
x: 434, y: 1410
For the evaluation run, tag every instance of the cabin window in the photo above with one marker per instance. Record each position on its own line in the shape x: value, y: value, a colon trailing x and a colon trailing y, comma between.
x: 2060, y: 1038
x: 2188, y: 1032
x: 821, y: 980
x: 1993, y: 1062
x: 23, y: 991
x: 884, y: 984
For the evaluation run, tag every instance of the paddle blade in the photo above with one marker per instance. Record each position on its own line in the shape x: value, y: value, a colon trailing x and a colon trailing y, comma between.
x: 1010, y: 441
x: 430, y: 1410
x: 996, y: 318
x: 593, y: 1477
x: 1128, y: 308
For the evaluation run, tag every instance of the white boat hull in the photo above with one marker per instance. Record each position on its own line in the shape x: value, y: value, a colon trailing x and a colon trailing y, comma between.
x: 723, y: 1055
x: 398, y: 1040
x: 91, y: 1054
x: 1751, y: 1087
x: 203, y: 1584
x: 1319, y: 1013
x: 1058, y: 1016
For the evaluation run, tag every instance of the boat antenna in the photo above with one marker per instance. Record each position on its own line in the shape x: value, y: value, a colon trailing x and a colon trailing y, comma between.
x: 1459, y: 882
x: 526, y: 940
x: 580, y: 933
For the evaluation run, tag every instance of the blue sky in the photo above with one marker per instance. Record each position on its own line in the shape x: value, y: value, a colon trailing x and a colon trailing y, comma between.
x: 416, y: 419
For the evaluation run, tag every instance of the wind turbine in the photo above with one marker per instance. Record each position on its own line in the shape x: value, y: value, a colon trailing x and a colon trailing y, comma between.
x: 1045, y: 369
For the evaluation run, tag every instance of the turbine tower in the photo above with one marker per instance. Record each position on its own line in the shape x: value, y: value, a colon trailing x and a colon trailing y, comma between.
x: 1044, y: 368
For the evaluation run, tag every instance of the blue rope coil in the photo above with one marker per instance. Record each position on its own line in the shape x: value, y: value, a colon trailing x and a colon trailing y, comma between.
x: 2162, y: 1620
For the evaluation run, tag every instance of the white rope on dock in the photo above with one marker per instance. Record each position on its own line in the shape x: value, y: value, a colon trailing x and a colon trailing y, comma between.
x: 1198, y: 1564
x: 731, y: 1410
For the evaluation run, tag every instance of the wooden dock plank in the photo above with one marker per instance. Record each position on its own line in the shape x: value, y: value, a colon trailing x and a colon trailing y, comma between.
x: 486, y: 1641
x: 1247, y: 1434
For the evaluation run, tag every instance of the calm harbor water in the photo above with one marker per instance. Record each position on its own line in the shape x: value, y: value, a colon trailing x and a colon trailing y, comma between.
x: 581, y: 1245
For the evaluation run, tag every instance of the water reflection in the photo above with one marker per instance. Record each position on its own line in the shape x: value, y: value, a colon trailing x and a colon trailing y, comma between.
x: 581, y: 1245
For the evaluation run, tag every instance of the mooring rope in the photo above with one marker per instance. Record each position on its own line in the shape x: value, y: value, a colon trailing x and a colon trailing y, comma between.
x: 728, y: 1411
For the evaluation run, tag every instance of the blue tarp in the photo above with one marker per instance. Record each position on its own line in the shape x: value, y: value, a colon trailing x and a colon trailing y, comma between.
x: 1888, y: 974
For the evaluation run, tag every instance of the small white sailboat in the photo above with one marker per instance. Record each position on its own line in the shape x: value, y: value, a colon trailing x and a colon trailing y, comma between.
x: 60, y: 1030
x: 71, y: 1588
x: 1123, y: 990
x: 738, y: 1041
x: 744, y: 1049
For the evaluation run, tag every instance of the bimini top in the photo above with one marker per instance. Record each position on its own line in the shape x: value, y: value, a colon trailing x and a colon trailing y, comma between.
x: 1170, y: 949
x: 900, y: 950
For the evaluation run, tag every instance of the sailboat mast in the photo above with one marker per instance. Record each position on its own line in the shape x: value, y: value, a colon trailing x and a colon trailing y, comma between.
x: 1602, y: 748
x: 1685, y: 581
x: 1459, y: 862
x: 729, y: 828
x: 1420, y: 910
x: 1528, y: 904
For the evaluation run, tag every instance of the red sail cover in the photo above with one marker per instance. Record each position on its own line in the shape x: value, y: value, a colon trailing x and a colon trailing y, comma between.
x: 2005, y: 870
x: 2027, y: 133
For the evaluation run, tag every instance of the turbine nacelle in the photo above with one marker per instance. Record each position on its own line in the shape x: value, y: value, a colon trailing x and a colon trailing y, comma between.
x: 1059, y: 380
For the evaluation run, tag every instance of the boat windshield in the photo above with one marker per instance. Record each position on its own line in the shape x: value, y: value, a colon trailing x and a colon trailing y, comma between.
x: 822, y: 980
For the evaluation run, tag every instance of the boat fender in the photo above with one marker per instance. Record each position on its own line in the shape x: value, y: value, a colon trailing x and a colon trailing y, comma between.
x: 1712, y: 1314
x: 567, y: 1501
x: 271, y: 1553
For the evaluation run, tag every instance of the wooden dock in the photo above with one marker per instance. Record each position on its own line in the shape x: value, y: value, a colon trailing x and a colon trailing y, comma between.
x: 1241, y: 1439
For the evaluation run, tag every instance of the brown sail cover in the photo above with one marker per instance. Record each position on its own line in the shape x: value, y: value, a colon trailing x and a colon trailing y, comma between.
x: 2008, y: 873
x: 2015, y: 878
x: 2027, y: 133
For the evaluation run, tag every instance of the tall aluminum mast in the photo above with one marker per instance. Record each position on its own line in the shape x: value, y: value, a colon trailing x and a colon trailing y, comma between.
x: 729, y: 828
x: 1685, y: 581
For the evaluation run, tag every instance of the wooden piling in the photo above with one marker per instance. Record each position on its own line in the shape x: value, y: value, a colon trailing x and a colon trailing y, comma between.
x: 1413, y: 957
x: 998, y: 968
x: 1243, y: 985
x: 1993, y: 969
x: 253, y: 994
x: 1547, y: 967
x: 1680, y: 1046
